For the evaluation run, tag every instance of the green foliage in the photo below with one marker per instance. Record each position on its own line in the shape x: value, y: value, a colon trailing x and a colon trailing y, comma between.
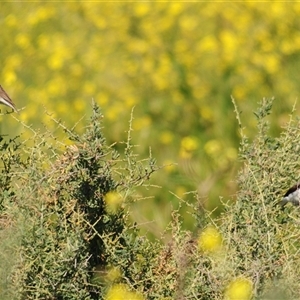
x: 261, y: 237
x: 10, y: 161
x: 70, y: 235
x: 67, y: 228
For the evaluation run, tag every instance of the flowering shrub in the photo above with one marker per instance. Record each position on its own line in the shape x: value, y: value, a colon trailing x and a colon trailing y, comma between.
x: 177, y: 63
x: 66, y: 233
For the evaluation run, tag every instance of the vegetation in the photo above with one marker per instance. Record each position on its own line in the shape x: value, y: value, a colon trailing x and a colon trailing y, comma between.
x: 85, y: 210
x: 177, y: 63
x: 66, y: 231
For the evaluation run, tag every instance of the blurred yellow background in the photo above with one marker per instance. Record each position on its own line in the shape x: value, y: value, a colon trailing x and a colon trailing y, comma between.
x: 176, y: 63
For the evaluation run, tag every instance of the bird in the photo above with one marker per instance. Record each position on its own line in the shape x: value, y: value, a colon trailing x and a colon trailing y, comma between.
x: 5, y: 99
x: 292, y: 195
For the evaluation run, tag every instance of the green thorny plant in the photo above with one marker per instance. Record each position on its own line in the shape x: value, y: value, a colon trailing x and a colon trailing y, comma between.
x: 68, y: 232
x: 71, y: 241
x: 10, y: 160
x: 10, y: 164
x: 262, y: 237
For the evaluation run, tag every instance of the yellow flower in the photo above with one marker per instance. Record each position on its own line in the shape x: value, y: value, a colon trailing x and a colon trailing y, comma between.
x: 121, y: 292
x: 239, y: 92
x: 166, y: 137
x: 22, y: 40
x: 113, y: 201
x: 175, y: 8
x: 210, y: 240
x: 141, y: 9
x: 130, y: 102
x: 239, y: 289
x: 10, y: 77
x: 189, y: 143
x: 213, y: 148
x: 272, y: 63
x: 55, y: 61
x: 11, y: 20
x: 141, y: 123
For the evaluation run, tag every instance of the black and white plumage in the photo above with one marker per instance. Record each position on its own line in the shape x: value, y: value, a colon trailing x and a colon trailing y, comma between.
x: 292, y: 195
